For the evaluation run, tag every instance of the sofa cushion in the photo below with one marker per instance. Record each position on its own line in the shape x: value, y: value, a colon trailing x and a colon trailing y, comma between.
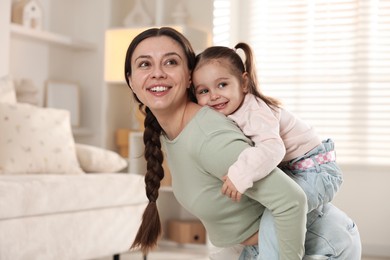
x: 42, y: 194
x: 95, y: 159
x: 36, y: 140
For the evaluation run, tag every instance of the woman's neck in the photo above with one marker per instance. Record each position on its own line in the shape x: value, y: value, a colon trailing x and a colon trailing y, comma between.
x: 174, y: 122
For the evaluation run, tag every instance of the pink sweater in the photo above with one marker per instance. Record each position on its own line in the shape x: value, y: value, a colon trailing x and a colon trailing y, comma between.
x: 279, y: 136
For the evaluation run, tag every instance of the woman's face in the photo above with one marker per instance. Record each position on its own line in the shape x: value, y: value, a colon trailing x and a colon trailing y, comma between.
x: 160, y: 75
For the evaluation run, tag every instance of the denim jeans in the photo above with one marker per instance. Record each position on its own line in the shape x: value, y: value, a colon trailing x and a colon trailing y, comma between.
x: 268, y: 248
x: 332, y: 235
x: 320, y: 183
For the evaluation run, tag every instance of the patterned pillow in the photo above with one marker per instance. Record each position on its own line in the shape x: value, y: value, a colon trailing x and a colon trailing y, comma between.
x: 36, y: 140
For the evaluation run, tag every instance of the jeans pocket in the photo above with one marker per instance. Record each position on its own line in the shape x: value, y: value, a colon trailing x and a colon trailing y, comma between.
x: 249, y: 253
x: 352, y: 228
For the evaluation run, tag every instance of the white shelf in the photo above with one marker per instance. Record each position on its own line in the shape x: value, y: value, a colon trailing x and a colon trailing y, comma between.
x: 51, y: 38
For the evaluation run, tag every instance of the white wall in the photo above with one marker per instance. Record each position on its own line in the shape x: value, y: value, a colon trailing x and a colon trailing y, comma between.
x: 4, y: 37
x: 365, y: 197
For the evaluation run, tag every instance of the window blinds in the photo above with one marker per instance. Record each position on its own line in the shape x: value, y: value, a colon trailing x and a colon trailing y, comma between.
x: 329, y: 62
x: 221, y: 22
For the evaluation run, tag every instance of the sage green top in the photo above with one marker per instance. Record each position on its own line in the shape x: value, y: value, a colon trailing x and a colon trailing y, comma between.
x: 198, y: 159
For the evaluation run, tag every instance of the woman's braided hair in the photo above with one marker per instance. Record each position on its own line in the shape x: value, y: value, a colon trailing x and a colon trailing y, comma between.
x: 150, y: 229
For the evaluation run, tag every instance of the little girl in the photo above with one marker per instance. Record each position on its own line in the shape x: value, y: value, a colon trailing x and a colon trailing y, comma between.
x: 223, y: 82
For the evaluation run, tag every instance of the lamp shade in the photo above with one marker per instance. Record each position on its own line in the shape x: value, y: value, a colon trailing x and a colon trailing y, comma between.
x: 117, y: 41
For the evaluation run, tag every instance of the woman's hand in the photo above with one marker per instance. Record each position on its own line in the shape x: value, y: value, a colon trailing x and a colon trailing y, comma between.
x: 229, y: 190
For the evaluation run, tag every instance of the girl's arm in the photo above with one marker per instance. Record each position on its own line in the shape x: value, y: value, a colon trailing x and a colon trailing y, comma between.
x: 258, y: 122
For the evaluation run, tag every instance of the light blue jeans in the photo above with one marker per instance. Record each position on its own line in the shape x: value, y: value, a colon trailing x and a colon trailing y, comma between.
x: 268, y: 248
x: 331, y: 234
x: 320, y: 183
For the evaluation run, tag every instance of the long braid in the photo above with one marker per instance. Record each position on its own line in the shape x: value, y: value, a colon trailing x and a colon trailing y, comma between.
x: 153, y: 155
x: 150, y: 229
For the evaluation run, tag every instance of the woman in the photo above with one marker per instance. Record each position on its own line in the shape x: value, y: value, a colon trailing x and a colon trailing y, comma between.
x: 201, y: 144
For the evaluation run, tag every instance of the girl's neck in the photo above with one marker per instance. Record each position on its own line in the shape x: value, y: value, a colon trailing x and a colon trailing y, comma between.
x: 174, y: 122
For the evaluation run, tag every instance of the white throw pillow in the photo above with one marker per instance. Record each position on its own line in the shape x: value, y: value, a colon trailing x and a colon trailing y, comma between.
x: 95, y: 159
x: 36, y: 140
x: 7, y: 90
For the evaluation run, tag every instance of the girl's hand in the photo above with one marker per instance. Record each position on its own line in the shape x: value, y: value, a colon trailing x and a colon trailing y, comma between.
x: 229, y: 190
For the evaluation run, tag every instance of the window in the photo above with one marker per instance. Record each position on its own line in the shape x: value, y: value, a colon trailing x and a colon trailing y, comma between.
x: 221, y: 22
x: 329, y: 62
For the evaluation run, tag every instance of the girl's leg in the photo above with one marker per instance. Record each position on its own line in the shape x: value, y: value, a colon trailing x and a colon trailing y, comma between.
x: 268, y: 247
x: 226, y: 253
x: 268, y: 242
x: 333, y: 235
x: 250, y: 253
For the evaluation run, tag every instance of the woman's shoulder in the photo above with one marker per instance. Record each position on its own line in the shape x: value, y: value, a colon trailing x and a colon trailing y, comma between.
x: 207, y: 113
x: 211, y: 122
x: 206, y: 116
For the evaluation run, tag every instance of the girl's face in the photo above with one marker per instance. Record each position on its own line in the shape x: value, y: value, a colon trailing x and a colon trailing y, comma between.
x: 160, y: 75
x: 217, y: 87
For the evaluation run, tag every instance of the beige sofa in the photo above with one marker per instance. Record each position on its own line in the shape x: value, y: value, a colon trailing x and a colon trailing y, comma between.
x: 46, y: 216
x: 59, y: 199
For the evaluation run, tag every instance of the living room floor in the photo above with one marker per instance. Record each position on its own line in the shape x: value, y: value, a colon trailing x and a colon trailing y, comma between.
x: 176, y: 253
x: 183, y: 256
x: 186, y: 254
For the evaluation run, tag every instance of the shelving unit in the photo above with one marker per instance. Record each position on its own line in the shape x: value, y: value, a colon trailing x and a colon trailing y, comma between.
x: 51, y: 38
x: 48, y: 39
x: 67, y: 49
